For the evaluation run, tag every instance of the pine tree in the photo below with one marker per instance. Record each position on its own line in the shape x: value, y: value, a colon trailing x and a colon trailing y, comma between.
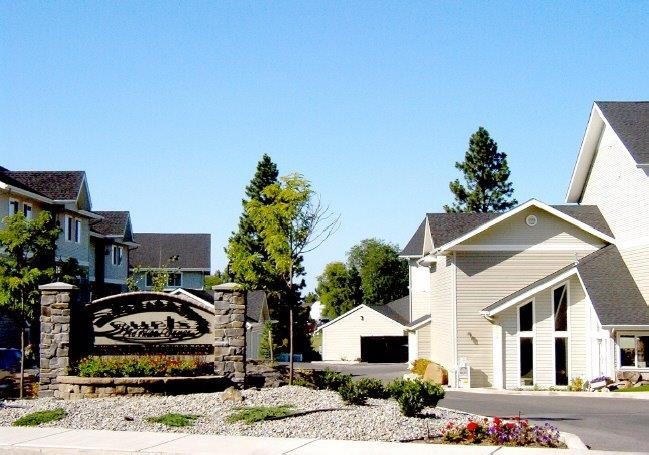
x: 486, y: 174
x: 247, y: 242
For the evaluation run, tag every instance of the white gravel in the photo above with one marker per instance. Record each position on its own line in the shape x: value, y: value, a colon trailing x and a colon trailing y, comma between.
x: 378, y: 420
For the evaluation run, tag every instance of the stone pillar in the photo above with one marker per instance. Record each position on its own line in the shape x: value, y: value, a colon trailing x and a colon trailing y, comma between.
x: 56, y: 299
x: 230, y: 332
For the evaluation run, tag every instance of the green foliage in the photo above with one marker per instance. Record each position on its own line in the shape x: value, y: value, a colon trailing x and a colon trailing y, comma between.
x: 640, y: 388
x: 174, y: 420
x: 339, y: 289
x: 216, y: 279
x: 383, y: 276
x: 27, y: 261
x: 36, y: 418
x: 419, y: 366
x: 332, y: 380
x: 140, y: 366
x: 372, y: 388
x: 266, y: 341
x: 261, y: 413
x: 486, y: 174
x: 415, y: 395
x: 577, y: 385
x: 351, y: 393
x: 69, y: 271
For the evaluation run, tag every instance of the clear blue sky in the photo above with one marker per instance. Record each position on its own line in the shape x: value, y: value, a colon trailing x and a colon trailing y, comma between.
x: 168, y: 106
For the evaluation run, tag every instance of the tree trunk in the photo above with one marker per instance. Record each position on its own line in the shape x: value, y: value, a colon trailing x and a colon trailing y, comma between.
x: 22, y: 361
x: 270, y: 344
x: 290, y: 336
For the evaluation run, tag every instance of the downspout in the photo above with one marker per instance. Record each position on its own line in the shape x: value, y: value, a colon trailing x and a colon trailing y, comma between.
x: 454, y: 317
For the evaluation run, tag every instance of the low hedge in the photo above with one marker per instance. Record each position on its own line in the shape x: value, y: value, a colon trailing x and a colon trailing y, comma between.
x: 141, y: 366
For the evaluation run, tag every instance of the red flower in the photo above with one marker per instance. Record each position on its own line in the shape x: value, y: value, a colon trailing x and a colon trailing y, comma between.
x: 472, y: 426
x: 510, y: 425
x: 497, y: 421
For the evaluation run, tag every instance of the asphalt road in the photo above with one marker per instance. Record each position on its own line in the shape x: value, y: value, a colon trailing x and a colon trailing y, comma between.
x: 602, y: 423
x: 384, y: 371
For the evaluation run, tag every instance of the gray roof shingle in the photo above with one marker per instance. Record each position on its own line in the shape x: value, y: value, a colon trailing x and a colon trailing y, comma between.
x: 58, y: 185
x: 446, y: 227
x: 630, y: 121
x: 397, y: 310
x: 113, y: 223
x: 156, y: 249
x: 611, y: 288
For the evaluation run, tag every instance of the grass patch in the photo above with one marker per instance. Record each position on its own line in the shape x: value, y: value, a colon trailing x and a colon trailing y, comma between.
x: 36, y: 418
x: 174, y: 420
x: 261, y: 413
x: 642, y: 388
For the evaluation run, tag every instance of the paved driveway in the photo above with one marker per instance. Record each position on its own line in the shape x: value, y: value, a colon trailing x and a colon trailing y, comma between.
x: 602, y: 423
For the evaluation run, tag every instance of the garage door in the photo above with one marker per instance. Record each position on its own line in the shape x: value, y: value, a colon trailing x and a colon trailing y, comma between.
x: 384, y: 349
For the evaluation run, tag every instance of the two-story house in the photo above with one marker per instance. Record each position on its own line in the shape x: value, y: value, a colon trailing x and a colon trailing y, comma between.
x: 186, y: 258
x: 545, y: 293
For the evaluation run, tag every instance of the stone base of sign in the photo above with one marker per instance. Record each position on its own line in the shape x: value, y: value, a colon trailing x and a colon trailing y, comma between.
x: 230, y: 332
x: 75, y: 387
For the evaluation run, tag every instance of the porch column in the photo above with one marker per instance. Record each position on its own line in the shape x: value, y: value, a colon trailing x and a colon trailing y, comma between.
x: 498, y: 355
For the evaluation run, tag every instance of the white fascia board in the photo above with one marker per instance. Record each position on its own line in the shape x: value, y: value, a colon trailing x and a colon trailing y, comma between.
x: 427, y: 260
x: 25, y: 193
x: 536, y: 247
x: 420, y: 325
x: 622, y: 327
x: 342, y: 316
x: 88, y: 214
x: 181, y: 291
x: 531, y: 203
x: 530, y: 293
x: 586, y: 154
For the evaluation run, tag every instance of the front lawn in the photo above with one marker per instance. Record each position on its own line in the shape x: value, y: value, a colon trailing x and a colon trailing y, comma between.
x: 642, y: 388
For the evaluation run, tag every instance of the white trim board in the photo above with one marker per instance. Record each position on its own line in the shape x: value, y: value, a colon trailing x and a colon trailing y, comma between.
x: 531, y: 203
x: 535, y: 247
x: 353, y: 310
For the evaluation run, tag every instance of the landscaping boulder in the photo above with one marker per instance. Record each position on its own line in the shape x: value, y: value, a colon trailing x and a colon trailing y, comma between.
x: 641, y: 383
x: 436, y: 373
x: 630, y: 376
x: 231, y: 394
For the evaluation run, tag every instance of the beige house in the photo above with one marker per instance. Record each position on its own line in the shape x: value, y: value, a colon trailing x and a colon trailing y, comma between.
x: 544, y: 293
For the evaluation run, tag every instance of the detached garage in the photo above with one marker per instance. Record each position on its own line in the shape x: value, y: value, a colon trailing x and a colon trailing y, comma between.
x: 369, y: 334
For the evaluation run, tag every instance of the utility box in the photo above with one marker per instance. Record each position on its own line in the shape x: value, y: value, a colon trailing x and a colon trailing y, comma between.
x: 463, y: 374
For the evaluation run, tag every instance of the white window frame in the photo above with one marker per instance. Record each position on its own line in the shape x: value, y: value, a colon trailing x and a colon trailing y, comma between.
x: 67, y: 228
x: 117, y: 255
x: 77, y: 230
x: 618, y: 354
x: 10, y: 208
x: 28, y: 210
x: 527, y: 334
x: 561, y: 333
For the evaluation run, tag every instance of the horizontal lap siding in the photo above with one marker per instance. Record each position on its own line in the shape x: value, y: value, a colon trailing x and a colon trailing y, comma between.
x: 484, y: 278
x: 423, y: 342
x: 342, y: 339
x: 621, y: 190
x: 549, y: 230
x: 441, y: 326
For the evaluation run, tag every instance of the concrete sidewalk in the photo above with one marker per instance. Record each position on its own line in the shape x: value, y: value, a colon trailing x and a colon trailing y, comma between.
x: 60, y: 441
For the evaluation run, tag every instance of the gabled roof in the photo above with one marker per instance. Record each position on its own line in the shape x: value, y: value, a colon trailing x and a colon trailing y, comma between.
x: 446, y: 228
x: 607, y: 281
x: 415, y: 247
x: 629, y: 120
x: 397, y: 310
x: 419, y: 322
x: 114, y: 224
x: 57, y: 185
x: 256, y: 304
x: 193, y: 251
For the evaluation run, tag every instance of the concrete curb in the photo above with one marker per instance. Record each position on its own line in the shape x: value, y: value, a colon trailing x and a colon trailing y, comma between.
x: 557, y: 393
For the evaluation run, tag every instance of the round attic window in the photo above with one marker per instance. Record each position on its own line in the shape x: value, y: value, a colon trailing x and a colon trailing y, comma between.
x: 531, y: 220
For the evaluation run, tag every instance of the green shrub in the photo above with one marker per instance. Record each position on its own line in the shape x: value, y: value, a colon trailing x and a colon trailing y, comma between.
x: 373, y: 388
x: 260, y: 413
x: 415, y: 395
x: 36, y: 418
x: 146, y: 365
x: 302, y: 382
x: 419, y: 366
x: 351, y: 393
x: 332, y: 380
x: 174, y: 420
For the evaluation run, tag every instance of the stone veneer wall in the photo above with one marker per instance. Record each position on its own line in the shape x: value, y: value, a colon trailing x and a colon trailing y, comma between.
x: 230, y: 332
x: 56, y: 300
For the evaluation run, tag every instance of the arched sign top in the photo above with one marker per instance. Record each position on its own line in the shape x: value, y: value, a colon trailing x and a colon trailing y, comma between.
x: 150, y: 319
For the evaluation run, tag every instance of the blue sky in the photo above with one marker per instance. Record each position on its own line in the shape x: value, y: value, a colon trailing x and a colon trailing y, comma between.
x: 168, y: 106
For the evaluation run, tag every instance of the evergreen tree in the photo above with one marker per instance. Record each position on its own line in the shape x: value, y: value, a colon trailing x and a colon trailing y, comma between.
x: 486, y: 173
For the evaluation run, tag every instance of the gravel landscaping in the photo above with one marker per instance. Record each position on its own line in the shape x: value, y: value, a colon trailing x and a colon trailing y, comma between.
x: 325, y: 415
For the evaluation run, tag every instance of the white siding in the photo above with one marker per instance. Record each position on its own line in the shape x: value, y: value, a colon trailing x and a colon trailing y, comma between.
x: 579, y: 343
x: 420, y: 291
x: 441, y: 326
x: 342, y: 339
x: 621, y: 191
x: 423, y: 342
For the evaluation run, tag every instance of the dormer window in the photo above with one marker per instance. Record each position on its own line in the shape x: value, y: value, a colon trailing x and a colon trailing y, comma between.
x: 13, y: 207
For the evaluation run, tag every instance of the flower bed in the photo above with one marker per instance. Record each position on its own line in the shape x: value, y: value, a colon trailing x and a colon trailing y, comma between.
x: 142, y: 366
x: 516, y: 432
